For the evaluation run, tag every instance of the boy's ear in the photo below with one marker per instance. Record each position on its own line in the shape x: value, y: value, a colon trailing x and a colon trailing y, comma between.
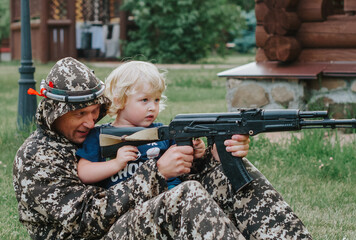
x: 120, y: 103
x: 115, y: 100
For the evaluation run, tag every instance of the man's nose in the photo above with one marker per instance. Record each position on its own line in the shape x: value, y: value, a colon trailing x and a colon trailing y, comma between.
x: 89, y: 121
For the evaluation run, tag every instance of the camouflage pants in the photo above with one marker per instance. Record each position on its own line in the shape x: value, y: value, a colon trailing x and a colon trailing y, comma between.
x: 206, y: 208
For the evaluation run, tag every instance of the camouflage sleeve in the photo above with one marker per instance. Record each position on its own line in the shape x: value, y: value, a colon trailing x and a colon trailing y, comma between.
x: 103, y: 208
x: 54, y: 202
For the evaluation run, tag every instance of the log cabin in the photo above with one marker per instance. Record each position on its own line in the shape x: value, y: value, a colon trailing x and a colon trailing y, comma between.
x: 305, y: 58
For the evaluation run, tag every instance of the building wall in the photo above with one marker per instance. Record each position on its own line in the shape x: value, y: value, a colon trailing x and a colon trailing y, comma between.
x: 338, y: 95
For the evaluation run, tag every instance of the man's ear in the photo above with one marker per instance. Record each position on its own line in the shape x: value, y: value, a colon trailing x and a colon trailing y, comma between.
x: 54, y: 125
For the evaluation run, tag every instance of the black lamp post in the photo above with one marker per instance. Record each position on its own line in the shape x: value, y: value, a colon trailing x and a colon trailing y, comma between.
x: 27, y: 103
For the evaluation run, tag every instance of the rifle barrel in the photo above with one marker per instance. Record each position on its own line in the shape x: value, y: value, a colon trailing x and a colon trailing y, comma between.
x: 313, y: 114
x: 328, y: 123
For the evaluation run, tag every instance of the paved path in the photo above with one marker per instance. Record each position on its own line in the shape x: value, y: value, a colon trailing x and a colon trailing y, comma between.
x: 170, y: 66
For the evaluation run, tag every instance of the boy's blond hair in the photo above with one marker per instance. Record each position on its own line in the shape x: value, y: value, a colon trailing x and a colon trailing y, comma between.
x: 129, y: 77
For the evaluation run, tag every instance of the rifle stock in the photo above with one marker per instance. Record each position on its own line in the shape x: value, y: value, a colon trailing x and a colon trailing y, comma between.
x: 218, y: 127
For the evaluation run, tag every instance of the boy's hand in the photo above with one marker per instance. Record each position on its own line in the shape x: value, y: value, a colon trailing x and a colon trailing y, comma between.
x: 199, y: 148
x: 124, y: 155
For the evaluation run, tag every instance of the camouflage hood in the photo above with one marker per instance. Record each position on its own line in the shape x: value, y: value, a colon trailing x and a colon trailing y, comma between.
x: 73, y: 78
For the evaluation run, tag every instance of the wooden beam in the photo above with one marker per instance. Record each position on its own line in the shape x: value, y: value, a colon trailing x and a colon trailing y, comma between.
x: 349, y: 5
x: 71, y: 32
x: 44, y: 50
x: 337, y: 33
x: 313, y: 11
x: 281, y: 22
x: 260, y: 12
x: 282, y: 48
x: 278, y: 4
x: 260, y: 55
x: 123, y: 27
x: 261, y: 36
x: 327, y: 55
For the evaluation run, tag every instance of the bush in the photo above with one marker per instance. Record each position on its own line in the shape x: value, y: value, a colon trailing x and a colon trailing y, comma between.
x: 4, y: 19
x: 181, y: 30
x: 246, y: 40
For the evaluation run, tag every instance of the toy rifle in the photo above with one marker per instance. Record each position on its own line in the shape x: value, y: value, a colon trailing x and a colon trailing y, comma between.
x: 218, y: 127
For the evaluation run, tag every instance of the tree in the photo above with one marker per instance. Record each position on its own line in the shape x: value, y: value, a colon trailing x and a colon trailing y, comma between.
x: 4, y: 19
x: 245, y: 5
x: 179, y: 30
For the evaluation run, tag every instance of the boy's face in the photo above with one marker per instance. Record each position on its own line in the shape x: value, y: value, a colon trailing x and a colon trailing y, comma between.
x: 141, y: 110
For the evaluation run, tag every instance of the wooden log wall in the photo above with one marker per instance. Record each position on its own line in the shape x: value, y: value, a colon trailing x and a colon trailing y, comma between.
x: 350, y: 6
x: 305, y: 30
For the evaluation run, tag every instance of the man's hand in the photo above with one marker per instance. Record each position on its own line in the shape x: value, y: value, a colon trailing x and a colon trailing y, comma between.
x: 177, y: 160
x: 238, y: 145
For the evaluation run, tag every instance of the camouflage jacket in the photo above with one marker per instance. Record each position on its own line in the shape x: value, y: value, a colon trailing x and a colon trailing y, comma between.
x: 52, y: 201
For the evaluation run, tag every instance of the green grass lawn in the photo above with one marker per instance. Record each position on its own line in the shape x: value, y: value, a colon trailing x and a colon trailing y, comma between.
x: 315, y: 176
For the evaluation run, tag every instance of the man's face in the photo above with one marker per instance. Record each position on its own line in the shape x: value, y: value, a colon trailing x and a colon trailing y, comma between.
x: 75, y: 125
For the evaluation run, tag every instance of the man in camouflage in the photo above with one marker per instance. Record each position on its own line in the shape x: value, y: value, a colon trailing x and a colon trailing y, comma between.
x: 54, y: 204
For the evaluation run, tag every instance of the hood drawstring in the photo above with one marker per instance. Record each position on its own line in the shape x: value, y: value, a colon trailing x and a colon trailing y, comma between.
x: 32, y: 91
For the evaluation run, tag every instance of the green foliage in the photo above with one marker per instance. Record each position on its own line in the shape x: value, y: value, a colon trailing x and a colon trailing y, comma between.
x: 246, y: 40
x: 318, y: 154
x: 315, y: 173
x: 181, y: 30
x: 245, y: 5
x: 4, y: 19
